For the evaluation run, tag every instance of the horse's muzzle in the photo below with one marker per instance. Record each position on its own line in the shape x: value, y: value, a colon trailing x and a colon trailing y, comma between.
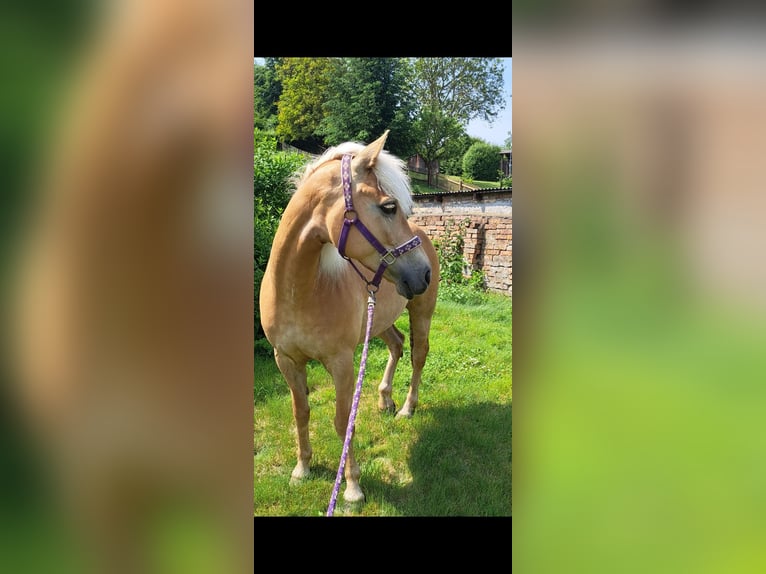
x: 413, y: 282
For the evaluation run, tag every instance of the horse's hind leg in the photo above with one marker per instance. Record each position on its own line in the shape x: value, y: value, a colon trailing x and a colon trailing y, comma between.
x: 395, y: 341
x: 295, y: 375
x: 420, y: 311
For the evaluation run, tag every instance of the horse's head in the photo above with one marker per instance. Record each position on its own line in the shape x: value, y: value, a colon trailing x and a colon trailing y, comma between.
x: 380, y: 194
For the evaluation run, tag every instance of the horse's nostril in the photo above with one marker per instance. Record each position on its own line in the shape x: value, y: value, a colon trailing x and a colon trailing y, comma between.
x: 428, y: 277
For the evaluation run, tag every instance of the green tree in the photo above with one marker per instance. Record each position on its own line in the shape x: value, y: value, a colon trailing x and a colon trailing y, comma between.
x: 266, y: 91
x: 305, y: 83
x: 437, y: 137
x: 482, y: 161
x: 509, y: 140
x: 450, y: 93
x: 452, y: 163
x: 367, y: 96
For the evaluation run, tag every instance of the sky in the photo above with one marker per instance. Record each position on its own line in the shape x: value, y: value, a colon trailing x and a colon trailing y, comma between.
x: 497, y: 132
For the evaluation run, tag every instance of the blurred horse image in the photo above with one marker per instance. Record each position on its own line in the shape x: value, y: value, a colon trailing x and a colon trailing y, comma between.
x: 133, y: 299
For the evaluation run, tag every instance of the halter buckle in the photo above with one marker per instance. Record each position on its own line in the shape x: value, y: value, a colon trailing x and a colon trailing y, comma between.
x: 389, y: 258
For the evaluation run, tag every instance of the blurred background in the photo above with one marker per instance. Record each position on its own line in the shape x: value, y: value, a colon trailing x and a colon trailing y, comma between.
x: 39, y: 40
x: 640, y: 316
x: 127, y: 302
x: 640, y: 293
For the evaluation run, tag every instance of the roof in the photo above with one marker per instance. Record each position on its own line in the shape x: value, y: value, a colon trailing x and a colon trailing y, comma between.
x: 478, y: 192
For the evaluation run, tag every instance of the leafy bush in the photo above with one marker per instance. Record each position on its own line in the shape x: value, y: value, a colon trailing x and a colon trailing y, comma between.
x: 272, y: 172
x: 455, y: 285
x: 462, y: 294
x: 452, y: 162
x: 506, y: 181
x: 481, y: 161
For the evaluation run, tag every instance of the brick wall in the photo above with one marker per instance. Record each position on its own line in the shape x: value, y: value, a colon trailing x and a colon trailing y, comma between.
x: 488, y: 243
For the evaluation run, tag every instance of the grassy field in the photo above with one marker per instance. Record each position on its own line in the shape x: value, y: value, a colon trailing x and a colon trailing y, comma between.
x: 453, y: 458
x: 419, y: 185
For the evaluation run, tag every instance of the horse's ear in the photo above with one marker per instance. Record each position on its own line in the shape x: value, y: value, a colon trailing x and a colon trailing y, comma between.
x: 365, y: 159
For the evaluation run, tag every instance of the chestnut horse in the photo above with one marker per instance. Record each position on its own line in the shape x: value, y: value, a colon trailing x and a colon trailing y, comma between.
x: 313, y: 300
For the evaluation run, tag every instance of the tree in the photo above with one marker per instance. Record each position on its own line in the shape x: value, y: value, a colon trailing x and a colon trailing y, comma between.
x: 482, y: 161
x: 451, y: 92
x: 266, y: 92
x: 367, y: 96
x: 509, y: 140
x: 452, y: 163
x: 305, y: 83
x: 437, y: 136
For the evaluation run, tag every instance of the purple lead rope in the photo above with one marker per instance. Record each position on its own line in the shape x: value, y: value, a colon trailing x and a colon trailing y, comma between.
x: 354, y: 405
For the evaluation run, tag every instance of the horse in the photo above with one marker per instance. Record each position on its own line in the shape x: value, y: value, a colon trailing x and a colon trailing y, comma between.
x: 313, y: 292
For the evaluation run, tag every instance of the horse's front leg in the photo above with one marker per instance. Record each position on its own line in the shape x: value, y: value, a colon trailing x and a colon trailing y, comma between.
x: 295, y: 375
x: 420, y: 311
x: 341, y: 367
x: 394, y: 339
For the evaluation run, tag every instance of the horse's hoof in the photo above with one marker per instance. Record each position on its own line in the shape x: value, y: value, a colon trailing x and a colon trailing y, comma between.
x: 299, y: 473
x: 390, y: 408
x: 402, y: 414
x: 296, y: 480
x: 353, y: 495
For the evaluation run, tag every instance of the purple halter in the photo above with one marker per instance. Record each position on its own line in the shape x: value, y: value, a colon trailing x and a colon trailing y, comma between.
x: 387, y: 256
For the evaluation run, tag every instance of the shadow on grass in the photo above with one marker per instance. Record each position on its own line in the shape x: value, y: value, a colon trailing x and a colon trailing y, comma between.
x: 460, y: 465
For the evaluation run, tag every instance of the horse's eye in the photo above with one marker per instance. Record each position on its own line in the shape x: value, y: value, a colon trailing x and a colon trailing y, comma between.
x: 388, y: 208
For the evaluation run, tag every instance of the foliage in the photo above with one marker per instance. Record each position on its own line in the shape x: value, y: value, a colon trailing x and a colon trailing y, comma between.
x: 452, y: 162
x: 481, y: 161
x: 425, y: 102
x: 451, y: 92
x: 272, y: 172
x: 367, y: 96
x: 450, y: 249
x: 455, y: 285
x: 509, y: 140
x: 461, y: 88
x: 437, y: 136
x: 266, y: 92
x: 305, y: 84
x: 470, y: 294
x: 506, y: 181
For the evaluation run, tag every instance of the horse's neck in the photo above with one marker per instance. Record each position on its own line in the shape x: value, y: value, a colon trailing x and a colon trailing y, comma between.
x: 297, y: 248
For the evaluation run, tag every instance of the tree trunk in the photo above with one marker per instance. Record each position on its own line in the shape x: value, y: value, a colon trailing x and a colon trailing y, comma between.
x: 433, y: 170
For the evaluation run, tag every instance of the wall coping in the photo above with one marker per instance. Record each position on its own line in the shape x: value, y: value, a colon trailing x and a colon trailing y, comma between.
x: 477, y: 194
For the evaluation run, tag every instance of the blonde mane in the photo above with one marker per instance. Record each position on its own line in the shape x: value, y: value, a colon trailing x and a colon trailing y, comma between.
x: 390, y: 171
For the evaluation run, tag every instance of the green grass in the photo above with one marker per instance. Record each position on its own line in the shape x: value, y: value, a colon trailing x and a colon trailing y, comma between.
x: 423, y: 188
x: 419, y: 185
x: 453, y: 458
x: 486, y: 184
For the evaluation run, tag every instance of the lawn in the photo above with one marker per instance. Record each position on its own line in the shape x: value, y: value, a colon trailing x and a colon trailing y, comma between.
x: 419, y: 185
x: 453, y: 458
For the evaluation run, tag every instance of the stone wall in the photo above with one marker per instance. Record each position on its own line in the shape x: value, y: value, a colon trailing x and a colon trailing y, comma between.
x: 480, y: 202
x: 488, y: 244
